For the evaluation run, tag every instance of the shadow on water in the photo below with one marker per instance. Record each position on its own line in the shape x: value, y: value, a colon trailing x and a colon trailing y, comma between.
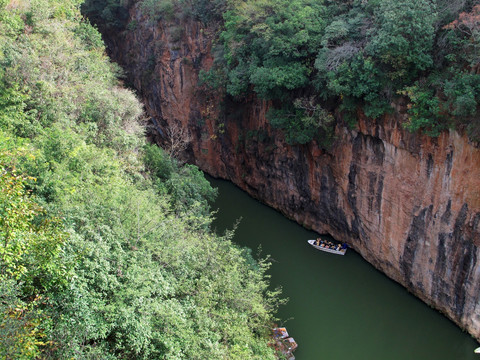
x: 340, y: 307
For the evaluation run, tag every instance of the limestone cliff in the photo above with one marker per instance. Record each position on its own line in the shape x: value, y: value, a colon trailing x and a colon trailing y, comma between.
x: 408, y: 203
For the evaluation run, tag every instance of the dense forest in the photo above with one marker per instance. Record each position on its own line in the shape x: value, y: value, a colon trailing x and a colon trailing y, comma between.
x: 106, y: 246
x: 314, y: 59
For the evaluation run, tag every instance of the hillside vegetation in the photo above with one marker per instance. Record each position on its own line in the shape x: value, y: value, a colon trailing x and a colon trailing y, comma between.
x: 106, y: 250
x: 357, y: 54
x: 312, y: 58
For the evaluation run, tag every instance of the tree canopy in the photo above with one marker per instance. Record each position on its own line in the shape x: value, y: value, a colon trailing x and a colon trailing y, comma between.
x: 352, y: 55
x: 106, y: 249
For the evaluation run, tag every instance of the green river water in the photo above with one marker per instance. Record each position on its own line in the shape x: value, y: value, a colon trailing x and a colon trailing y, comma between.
x: 340, y: 307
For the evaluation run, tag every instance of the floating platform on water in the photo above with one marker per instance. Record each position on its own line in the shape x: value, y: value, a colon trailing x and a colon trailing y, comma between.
x: 284, y: 342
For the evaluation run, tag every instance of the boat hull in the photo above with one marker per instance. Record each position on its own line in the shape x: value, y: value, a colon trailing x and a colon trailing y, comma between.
x: 332, y: 251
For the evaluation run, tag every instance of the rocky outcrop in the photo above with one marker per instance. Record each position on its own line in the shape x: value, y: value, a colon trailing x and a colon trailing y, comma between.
x: 409, y: 204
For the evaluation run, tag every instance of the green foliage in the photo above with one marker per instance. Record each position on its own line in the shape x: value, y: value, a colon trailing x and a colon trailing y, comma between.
x: 303, y: 121
x: 335, y: 33
x: 267, y: 44
x: 66, y: 79
x: 299, y: 129
x: 15, y: 114
x: 213, y: 79
x: 31, y: 261
x: 157, y: 161
x: 424, y: 110
x: 189, y: 189
x: 89, y: 36
x: 186, y: 185
x: 206, y: 11
x: 105, y: 243
x: 360, y: 79
x: 463, y: 94
x: 451, y: 97
x: 355, y: 54
x: 270, y: 79
x: 404, y: 38
x: 11, y: 24
x: 30, y: 240
x: 159, y: 9
x: 21, y: 324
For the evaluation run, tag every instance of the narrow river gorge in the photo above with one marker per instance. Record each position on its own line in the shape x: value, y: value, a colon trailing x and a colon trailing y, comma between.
x: 407, y: 203
x: 340, y: 307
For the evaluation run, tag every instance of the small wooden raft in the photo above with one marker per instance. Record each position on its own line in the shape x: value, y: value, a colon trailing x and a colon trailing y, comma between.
x: 284, y: 342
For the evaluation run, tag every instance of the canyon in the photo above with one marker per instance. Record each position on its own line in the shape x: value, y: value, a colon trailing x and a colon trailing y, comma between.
x: 408, y: 203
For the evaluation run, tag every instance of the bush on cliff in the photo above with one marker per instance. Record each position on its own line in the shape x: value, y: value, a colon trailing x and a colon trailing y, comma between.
x: 105, y: 243
x: 357, y: 54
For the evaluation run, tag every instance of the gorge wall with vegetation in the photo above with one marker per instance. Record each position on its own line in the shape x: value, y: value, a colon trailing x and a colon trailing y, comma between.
x: 105, y: 243
x: 315, y: 109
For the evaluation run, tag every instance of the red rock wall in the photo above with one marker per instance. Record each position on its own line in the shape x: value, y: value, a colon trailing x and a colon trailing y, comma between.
x: 409, y: 204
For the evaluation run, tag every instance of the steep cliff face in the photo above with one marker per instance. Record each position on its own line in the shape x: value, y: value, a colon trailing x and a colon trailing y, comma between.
x: 409, y: 204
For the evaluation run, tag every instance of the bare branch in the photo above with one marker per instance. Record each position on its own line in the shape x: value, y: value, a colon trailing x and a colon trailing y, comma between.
x: 177, y: 139
x: 338, y: 55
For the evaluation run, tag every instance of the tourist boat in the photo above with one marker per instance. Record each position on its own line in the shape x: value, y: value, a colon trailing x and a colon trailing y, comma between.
x: 330, y: 247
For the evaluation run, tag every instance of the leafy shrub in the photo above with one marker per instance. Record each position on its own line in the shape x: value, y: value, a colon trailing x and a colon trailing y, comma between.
x: 105, y: 244
x: 404, y: 38
x: 424, y: 111
x: 356, y: 54
x: 302, y: 121
x: 158, y: 9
